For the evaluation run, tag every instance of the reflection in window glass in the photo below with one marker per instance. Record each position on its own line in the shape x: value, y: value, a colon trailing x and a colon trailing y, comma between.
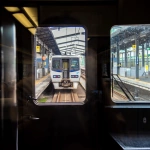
x: 130, y: 63
x: 8, y: 65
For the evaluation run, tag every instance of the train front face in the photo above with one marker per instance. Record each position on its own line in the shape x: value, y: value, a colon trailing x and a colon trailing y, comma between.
x: 65, y: 72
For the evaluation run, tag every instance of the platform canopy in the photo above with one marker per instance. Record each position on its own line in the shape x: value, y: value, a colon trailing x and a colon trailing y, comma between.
x: 127, y: 34
x: 63, y: 40
x: 70, y: 40
x: 46, y: 36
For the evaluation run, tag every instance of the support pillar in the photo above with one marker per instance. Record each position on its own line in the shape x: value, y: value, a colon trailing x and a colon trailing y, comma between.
x: 143, y: 60
x: 125, y: 56
x: 118, y: 59
x: 137, y: 59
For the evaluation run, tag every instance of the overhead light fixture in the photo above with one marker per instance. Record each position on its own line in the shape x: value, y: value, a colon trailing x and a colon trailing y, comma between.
x: 32, y: 13
x: 32, y: 30
x: 23, y: 20
x: 12, y: 9
x: 124, y: 41
x: 132, y: 39
x: 121, y: 51
x: 143, y: 35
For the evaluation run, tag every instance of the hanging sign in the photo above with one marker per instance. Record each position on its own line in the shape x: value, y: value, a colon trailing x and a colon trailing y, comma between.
x: 148, y: 48
x: 37, y: 48
x: 146, y: 68
x: 134, y: 46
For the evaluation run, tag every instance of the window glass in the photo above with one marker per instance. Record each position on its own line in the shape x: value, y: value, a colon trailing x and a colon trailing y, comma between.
x: 130, y: 63
x: 56, y: 64
x: 75, y: 64
x: 60, y: 71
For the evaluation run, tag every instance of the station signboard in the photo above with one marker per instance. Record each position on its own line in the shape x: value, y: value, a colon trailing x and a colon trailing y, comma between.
x: 37, y: 48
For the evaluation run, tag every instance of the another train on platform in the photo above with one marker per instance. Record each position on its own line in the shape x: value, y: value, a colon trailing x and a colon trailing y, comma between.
x: 65, y: 71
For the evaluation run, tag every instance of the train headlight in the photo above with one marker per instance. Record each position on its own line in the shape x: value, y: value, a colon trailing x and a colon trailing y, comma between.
x: 74, y: 76
x: 56, y: 76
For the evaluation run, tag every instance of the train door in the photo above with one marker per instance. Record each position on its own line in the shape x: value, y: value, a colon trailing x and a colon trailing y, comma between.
x: 65, y: 68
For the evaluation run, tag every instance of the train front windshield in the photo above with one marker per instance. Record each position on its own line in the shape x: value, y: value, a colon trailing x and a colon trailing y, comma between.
x: 56, y: 64
x: 74, y: 64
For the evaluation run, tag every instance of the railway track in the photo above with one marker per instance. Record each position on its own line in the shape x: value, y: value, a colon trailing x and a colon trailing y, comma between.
x: 118, y: 96
x: 65, y: 96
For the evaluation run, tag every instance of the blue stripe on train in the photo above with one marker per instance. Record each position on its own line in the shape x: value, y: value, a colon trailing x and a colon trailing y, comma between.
x: 73, y: 70
x: 61, y: 70
x: 57, y: 70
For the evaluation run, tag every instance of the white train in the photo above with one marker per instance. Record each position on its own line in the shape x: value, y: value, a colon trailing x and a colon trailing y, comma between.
x: 65, y: 71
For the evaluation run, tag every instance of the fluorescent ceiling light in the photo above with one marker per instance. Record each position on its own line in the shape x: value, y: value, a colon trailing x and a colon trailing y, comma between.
x: 121, y: 51
x: 32, y: 12
x: 23, y: 20
x: 142, y: 35
x: 12, y: 9
x: 32, y: 30
x: 125, y: 41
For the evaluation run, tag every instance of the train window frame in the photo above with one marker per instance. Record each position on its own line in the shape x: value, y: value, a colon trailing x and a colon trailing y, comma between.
x: 85, y: 57
x: 115, y: 53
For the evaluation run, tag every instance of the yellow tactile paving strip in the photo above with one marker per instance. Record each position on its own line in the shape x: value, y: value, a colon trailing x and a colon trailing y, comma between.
x: 41, y: 79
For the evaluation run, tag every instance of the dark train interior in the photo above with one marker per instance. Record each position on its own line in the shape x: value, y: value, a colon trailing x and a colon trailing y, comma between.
x: 98, y: 124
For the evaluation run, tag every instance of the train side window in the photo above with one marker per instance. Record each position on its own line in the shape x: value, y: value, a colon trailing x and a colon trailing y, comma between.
x: 61, y: 77
x: 130, y: 63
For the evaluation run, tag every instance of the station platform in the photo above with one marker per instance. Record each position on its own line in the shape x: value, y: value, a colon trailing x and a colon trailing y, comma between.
x: 83, y: 83
x: 142, y: 82
x: 41, y: 84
